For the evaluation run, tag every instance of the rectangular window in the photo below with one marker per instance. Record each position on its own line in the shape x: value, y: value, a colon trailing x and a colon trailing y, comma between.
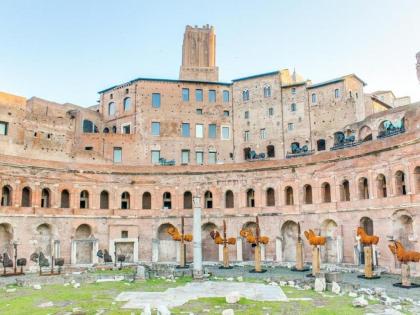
x: 185, y: 129
x: 126, y: 129
x: 246, y: 114
x: 199, y: 131
x: 186, y: 95
x: 155, y: 156
x: 271, y: 111
x: 290, y: 126
x: 199, y: 157
x: 212, y: 157
x: 226, y: 113
x: 155, y: 128
x: 156, y: 100
x: 225, y: 133
x: 185, y: 156
x: 199, y: 111
x: 336, y: 93
x: 293, y: 91
x: 263, y: 133
x: 117, y: 155
x: 124, y: 234
x: 199, y: 95
x: 3, y: 128
x: 212, y: 131
x: 212, y: 96
x: 226, y: 96
x: 246, y: 136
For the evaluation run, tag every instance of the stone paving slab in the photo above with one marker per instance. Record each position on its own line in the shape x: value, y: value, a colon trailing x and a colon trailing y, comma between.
x: 178, y: 296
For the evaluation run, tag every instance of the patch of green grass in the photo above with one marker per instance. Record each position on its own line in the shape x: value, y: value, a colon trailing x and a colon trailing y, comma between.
x: 319, y: 305
x: 89, y: 297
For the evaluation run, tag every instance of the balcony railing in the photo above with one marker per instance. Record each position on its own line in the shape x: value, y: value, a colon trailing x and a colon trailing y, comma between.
x: 390, y: 132
x: 343, y: 145
x: 290, y: 155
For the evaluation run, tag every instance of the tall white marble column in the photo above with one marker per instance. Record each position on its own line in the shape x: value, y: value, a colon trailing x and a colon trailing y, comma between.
x: 198, y: 255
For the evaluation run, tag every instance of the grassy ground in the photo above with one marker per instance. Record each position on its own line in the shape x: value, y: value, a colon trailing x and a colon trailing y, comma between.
x: 92, y: 298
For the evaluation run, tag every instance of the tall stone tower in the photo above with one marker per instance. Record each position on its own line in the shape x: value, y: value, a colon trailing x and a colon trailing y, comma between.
x: 199, y: 55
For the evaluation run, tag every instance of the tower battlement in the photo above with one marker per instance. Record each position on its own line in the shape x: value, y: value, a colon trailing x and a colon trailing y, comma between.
x: 199, y: 54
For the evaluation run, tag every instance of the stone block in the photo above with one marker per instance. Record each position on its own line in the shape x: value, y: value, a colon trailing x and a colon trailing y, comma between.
x: 233, y: 297
x: 334, y: 277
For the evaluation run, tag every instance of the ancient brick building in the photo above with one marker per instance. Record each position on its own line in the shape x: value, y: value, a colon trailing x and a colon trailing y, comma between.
x: 114, y: 176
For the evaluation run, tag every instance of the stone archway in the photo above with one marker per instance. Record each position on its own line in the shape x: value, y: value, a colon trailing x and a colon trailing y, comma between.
x: 329, y: 229
x: 167, y: 246
x: 247, y: 250
x: 44, y: 239
x: 403, y: 230
x: 6, y: 238
x: 85, y: 244
x: 289, y: 233
x: 367, y: 224
x: 210, y: 249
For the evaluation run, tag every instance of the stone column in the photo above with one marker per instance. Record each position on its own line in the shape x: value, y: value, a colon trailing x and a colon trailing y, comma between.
x: 73, y: 252
x: 368, y: 261
x: 198, y: 258
x: 239, y: 256
x: 405, y: 275
x: 315, y: 260
x: 339, y: 249
x: 279, y: 250
x: 155, y: 250
x: 221, y: 253
x: 299, y: 255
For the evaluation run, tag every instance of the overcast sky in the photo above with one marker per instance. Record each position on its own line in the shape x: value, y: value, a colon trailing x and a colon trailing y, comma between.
x: 66, y: 51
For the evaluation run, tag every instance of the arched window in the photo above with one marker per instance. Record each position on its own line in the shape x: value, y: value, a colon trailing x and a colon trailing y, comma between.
x: 288, y: 196
x: 229, y: 199
x: 307, y: 194
x: 339, y: 137
x: 84, y: 199
x: 146, y: 200
x: 247, y: 152
x: 250, y: 198
x: 326, y: 192
x: 65, y: 199
x: 104, y: 202
x: 106, y: 130
x: 125, y: 200
x: 114, y: 129
x: 89, y: 127
x: 400, y: 188
x: 381, y: 186
x: 267, y: 91
x: 167, y: 203
x: 208, y: 200
x: 270, y: 151
x: 417, y: 179
x: 245, y: 95
x: 45, y: 198
x: 293, y: 107
x: 313, y: 98
x: 26, y: 197
x: 187, y: 200
x: 270, y: 197
x: 6, y: 196
x: 127, y: 104
x: 111, y: 109
x: 363, y: 188
x: 345, y: 191
x: 320, y: 144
